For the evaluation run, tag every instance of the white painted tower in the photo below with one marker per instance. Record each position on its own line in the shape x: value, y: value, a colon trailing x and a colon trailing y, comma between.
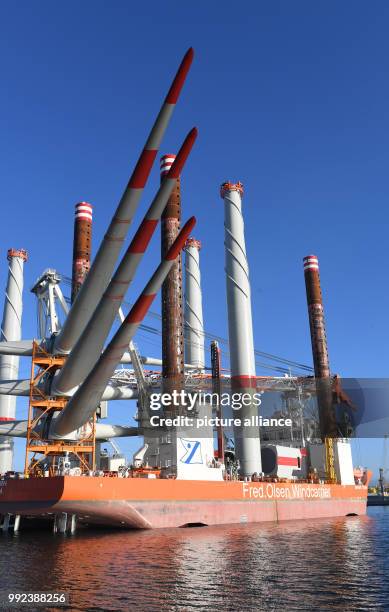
x: 193, y: 317
x: 240, y: 328
x: 11, y: 329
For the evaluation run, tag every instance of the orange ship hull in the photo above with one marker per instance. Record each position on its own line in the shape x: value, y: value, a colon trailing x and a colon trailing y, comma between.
x: 149, y: 503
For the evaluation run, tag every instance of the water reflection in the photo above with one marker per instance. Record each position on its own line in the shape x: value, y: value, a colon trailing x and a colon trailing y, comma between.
x: 327, y: 564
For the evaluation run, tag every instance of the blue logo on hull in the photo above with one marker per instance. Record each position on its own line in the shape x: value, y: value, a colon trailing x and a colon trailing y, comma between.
x: 192, y: 451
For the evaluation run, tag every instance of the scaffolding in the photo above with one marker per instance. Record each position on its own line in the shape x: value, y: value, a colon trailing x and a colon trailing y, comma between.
x: 42, y: 454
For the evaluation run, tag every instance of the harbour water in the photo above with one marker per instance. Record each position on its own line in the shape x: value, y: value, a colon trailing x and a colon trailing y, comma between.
x: 337, y: 564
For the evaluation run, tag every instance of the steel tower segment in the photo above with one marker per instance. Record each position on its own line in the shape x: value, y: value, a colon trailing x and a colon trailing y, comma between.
x: 240, y: 327
x: 91, y: 342
x: 193, y: 317
x: 103, y: 265
x: 216, y: 388
x: 171, y: 294
x: 82, y: 245
x: 327, y: 418
x: 11, y: 329
x: 84, y: 402
x: 316, y: 317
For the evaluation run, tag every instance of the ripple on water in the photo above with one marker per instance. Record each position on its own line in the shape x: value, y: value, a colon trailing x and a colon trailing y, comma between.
x: 337, y: 564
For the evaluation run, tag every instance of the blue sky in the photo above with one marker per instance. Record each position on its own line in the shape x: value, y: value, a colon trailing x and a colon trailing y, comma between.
x: 289, y: 98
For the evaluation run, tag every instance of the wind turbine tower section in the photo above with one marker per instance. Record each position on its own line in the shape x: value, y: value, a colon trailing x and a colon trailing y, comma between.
x: 11, y: 329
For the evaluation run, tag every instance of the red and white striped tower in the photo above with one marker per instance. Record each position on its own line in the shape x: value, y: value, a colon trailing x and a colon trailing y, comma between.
x: 86, y: 351
x: 194, y: 328
x: 11, y: 329
x: 316, y: 317
x: 240, y: 327
x: 82, y: 245
x: 172, y: 315
x: 104, y: 263
x: 86, y: 399
x: 319, y: 346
